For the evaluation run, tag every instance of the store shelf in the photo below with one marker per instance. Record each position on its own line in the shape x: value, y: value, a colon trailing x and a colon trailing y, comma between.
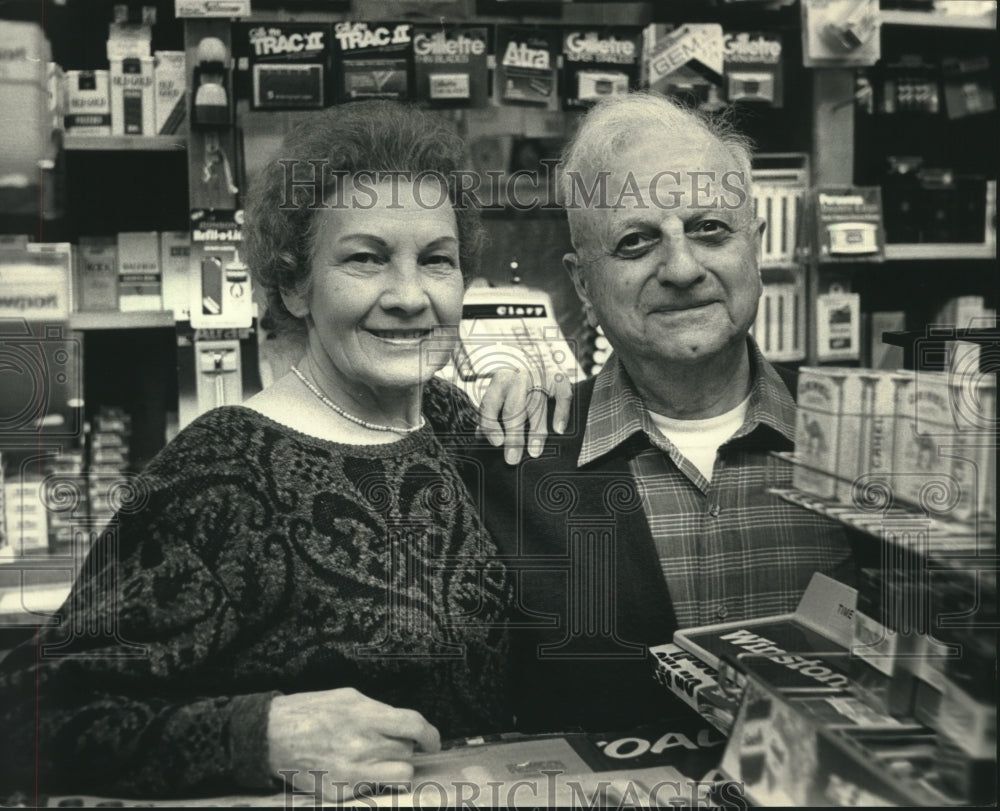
x: 146, y: 319
x: 939, y: 250
x: 945, y: 544
x: 937, y: 19
x: 124, y: 143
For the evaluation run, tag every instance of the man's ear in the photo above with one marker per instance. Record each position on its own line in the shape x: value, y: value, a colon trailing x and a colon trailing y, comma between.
x: 571, y: 261
x: 295, y: 302
x: 758, y: 227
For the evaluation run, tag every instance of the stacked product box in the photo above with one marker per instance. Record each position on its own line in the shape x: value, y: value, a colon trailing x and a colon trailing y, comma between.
x: 944, y: 454
x: 843, y: 429
x: 25, y: 516
x: 63, y: 492
x: 956, y: 697
x: 97, y: 273
x: 175, y: 267
x: 108, y: 443
x: 88, y: 102
x: 140, y: 281
x: 4, y: 541
x: 909, y: 666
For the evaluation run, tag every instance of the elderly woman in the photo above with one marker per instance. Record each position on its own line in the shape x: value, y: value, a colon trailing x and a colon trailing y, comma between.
x: 302, y: 581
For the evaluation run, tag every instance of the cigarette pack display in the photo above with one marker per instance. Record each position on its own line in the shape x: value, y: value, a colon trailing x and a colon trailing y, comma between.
x: 60, y: 256
x: 140, y: 285
x: 780, y: 206
x: 88, y: 102
x: 943, y: 454
x: 779, y: 326
x: 26, y: 517
x: 133, y: 94
x: 844, y: 429
x: 696, y: 684
x: 170, y: 79
x: 97, y: 273
x: 175, y: 265
x: 792, y: 645
x: 450, y: 65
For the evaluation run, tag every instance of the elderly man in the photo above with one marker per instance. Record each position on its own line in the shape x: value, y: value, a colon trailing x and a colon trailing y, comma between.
x: 650, y: 512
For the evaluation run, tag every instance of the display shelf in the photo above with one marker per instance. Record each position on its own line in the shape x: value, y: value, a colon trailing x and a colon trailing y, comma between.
x: 939, y: 19
x: 123, y: 143
x: 903, y: 251
x: 146, y: 319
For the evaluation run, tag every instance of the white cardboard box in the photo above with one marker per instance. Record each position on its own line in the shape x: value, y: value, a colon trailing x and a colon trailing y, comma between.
x: 140, y: 283
x: 132, y: 96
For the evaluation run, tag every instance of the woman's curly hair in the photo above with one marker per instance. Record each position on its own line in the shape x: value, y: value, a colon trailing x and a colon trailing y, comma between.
x: 338, y: 142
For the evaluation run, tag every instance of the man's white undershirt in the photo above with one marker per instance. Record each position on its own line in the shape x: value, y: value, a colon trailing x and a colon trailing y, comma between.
x: 699, y: 440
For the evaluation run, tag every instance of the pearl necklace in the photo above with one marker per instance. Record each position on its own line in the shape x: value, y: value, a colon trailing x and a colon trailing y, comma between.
x: 372, y: 426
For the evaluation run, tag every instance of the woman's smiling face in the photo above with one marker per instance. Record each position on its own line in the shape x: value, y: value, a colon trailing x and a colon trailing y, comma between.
x: 384, y: 296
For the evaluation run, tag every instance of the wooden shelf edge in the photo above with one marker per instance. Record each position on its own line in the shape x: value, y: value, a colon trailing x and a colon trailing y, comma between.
x: 929, y: 19
x: 74, y: 141
x: 117, y: 320
x: 940, y: 250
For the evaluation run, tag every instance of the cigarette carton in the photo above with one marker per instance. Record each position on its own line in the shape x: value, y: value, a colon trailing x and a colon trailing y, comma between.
x: 132, y: 96
x: 88, y: 102
x: 97, y: 273
x: 843, y: 430
x: 175, y: 264
x: 139, y: 278
x: 944, y: 457
x: 170, y: 78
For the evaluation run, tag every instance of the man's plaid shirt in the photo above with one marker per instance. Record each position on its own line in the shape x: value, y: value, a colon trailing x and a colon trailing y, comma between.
x: 728, y: 549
